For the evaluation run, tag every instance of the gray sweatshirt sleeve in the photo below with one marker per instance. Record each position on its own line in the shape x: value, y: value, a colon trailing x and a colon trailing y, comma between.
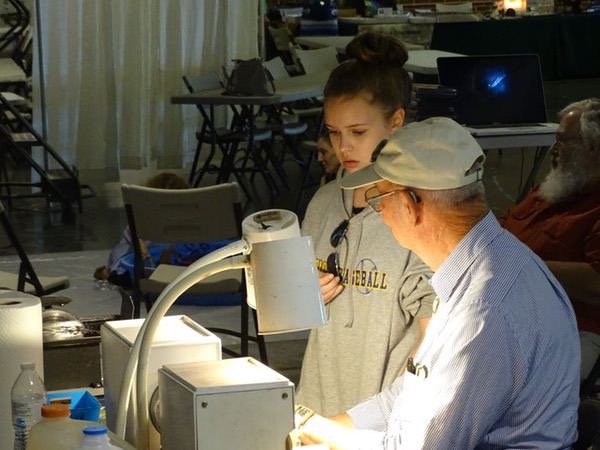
x: 416, y: 293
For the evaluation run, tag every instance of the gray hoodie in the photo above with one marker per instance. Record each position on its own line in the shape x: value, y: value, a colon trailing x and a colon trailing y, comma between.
x: 372, y: 326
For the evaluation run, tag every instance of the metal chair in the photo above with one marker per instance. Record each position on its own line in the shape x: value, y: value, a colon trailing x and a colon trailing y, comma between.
x: 316, y: 61
x: 289, y: 127
x: 588, y: 425
x: 227, y: 140
x: 26, y: 280
x: 182, y: 216
x: 589, y: 386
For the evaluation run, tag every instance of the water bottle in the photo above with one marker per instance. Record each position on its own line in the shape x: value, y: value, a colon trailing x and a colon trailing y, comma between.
x: 96, y: 438
x: 27, y: 397
x: 20, y: 436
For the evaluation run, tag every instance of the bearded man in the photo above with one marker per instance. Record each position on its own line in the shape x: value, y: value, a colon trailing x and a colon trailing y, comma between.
x: 560, y: 219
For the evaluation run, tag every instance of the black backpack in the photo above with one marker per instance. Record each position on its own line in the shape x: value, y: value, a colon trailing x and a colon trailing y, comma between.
x: 250, y: 77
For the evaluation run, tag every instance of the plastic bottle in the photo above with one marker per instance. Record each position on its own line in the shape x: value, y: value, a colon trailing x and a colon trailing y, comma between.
x: 20, y: 434
x: 56, y: 431
x: 27, y: 397
x: 96, y: 438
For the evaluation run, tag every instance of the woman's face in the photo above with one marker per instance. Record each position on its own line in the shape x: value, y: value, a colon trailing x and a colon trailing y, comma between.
x: 355, y: 127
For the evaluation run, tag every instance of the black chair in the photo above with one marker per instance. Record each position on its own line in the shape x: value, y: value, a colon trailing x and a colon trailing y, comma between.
x: 26, y: 280
x: 226, y: 139
x: 588, y: 425
x: 589, y: 386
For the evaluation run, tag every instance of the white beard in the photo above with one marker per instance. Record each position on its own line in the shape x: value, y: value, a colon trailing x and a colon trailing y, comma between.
x: 569, y: 179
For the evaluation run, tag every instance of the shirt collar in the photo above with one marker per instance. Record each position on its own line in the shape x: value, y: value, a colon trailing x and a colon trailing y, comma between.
x: 446, y: 278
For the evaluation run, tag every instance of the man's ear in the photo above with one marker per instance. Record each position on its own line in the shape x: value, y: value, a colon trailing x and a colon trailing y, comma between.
x: 398, y: 118
x: 411, y: 208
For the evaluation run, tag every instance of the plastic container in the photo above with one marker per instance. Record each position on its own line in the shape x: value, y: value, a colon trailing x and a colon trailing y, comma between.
x: 56, y: 431
x: 96, y: 438
x: 27, y: 397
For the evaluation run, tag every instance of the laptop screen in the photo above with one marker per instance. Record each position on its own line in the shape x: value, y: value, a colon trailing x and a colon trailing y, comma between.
x: 495, y: 90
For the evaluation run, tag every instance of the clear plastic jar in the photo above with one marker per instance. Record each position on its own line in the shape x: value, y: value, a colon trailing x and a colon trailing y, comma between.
x: 56, y: 431
x: 96, y: 438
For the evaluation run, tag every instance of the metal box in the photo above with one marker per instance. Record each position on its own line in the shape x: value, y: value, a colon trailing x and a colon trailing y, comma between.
x: 178, y: 340
x: 235, y: 403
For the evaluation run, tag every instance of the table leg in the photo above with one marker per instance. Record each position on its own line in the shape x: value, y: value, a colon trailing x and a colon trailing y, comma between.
x: 540, y: 154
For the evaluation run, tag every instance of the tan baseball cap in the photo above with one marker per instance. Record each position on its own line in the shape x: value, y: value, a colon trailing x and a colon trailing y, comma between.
x: 434, y: 154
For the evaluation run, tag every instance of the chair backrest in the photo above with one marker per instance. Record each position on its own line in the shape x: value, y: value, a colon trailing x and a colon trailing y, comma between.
x: 281, y: 37
x: 22, y: 52
x: 201, y: 82
x: 277, y: 68
x: 465, y: 8
x: 26, y: 270
x: 319, y: 60
x: 183, y: 215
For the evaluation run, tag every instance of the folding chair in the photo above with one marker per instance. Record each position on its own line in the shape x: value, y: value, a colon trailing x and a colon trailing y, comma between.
x: 26, y: 280
x: 316, y: 61
x: 283, y: 41
x: 20, y: 21
x: 15, y: 71
x: 588, y: 425
x: 17, y: 136
x: 184, y: 216
x: 227, y: 140
x: 589, y: 386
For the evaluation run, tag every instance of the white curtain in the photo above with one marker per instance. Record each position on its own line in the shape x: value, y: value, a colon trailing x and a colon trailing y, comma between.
x: 111, y: 67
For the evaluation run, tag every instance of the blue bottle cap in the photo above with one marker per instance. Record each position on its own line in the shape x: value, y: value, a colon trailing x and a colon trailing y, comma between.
x: 95, y: 430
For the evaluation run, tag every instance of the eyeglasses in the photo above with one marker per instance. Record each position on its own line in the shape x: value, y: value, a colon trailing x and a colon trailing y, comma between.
x: 337, y: 236
x: 373, y: 197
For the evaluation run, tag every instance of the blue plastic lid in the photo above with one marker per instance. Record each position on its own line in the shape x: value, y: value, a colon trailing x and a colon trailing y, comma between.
x: 95, y: 430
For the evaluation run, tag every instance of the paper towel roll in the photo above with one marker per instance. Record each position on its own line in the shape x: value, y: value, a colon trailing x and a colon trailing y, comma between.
x: 20, y: 341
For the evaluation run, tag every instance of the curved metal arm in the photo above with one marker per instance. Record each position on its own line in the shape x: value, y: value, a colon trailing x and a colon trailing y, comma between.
x: 235, y: 248
x: 168, y: 297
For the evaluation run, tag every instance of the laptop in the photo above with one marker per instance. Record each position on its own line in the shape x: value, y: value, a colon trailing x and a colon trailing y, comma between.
x: 496, y: 92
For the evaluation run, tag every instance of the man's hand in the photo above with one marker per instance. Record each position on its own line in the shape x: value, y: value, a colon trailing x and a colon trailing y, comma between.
x: 331, y: 286
x: 319, y: 430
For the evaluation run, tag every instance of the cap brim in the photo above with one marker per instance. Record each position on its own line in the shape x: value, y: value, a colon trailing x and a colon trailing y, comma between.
x: 360, y: 178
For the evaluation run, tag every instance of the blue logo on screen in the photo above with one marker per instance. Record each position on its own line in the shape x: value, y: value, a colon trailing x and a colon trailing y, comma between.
x: 496, y: 82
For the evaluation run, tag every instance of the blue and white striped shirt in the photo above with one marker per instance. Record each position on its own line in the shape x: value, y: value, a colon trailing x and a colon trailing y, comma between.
x: 499, y: 364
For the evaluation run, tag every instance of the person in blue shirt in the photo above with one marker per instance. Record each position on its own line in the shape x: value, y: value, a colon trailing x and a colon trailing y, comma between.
x: 120, y: 265
x: 498, y: 367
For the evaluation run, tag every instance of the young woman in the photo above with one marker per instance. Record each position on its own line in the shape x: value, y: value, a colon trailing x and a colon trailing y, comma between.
x: 377, y: 295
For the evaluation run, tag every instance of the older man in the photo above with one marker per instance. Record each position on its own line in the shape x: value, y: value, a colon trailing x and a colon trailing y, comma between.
x: 499, y: 364
x: 560, y: 219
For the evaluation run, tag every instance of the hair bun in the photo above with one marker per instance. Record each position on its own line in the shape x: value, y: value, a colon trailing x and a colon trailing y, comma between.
x: 377, y: 48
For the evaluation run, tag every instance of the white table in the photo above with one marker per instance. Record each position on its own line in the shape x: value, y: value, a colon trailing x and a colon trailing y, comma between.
x: 394, y: 18
x: 419, y: 60
x: 425, y: 61
x: 515, y: 137
x: 286, y: 90
x: 541, y: 137
x: 339, y: 42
